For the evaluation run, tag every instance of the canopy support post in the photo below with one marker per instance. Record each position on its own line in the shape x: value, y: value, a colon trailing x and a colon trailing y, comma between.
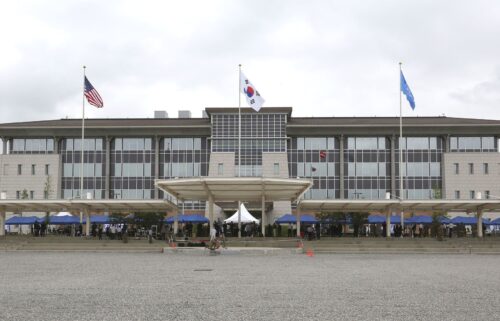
x: 479, y: 223
x: 87, y: 225
x: 239, y: 219
x: 297, y: 214
x: 388, y: 223
x: 211, y: 212
x: 264, y: 219
x: 2, y: 223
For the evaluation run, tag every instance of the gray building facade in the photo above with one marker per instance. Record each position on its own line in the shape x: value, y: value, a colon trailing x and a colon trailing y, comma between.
x: 345, y: 157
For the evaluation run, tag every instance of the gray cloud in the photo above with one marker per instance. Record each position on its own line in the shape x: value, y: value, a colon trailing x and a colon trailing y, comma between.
x: 321, y: 57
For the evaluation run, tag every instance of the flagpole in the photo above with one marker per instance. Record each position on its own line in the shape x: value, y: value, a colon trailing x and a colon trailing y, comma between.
x: 83, y: 135
x: 401, y: 197
x: 239, y: 145
x: 239, y: 121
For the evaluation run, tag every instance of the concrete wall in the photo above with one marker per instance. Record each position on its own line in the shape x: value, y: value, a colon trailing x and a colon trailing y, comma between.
x: 268, y: 161
x: 465, y: 182
x: 221, y: 158
x: 10, y: 181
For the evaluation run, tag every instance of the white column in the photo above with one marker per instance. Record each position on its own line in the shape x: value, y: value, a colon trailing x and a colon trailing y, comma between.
x: 239, y: 219
x: 2, y: 223
x: 263, y: 222
x: 211, y: 212
x: 388, y: 223
x: 87, y: 223
x: 479, y: 223
x: 297, y: 215
x: 2, y: 211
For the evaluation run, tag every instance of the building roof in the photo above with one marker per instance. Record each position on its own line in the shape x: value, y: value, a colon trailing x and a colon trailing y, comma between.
x: 263, y: 110
x: 296, y: 126
x: 225, y: 189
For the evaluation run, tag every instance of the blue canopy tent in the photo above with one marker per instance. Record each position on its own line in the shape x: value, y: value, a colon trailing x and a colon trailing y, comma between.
x: 195, y: 218
x: 104, y: 219
x: 289, y: 218
x: 376, y: 219
x: 422, y: 219
x: 330, y: 220
x: 495, y: 222
x: 379, y: 219
x: 64, y: 220
x: 24, y: 220
x: 467, y: 220
x: 444, y: 220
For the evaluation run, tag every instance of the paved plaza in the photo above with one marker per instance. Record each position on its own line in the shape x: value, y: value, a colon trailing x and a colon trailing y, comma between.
x: 149, y: 286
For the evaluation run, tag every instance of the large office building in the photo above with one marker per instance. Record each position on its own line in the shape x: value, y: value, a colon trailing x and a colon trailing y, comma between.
x: 345, y: 157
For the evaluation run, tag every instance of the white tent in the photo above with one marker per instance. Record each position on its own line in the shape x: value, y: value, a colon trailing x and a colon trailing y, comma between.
x: 63, y: 214
x: 246, y: 217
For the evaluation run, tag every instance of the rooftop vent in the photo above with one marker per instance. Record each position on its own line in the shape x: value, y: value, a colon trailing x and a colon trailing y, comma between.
x: 161, y: 114
x: 184, y: 114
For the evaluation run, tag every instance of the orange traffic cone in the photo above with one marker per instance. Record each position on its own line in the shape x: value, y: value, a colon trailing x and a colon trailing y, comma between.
x: 310, y: 253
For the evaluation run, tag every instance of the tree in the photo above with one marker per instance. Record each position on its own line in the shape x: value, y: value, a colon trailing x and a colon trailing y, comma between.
x: 437, y: 193
x: 46, y: 193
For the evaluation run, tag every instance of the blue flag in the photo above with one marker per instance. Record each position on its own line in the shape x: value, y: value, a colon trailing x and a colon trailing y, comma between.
x: 406, y: 90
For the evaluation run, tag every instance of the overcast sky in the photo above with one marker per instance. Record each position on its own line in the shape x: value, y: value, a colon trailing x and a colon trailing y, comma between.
x: 323, y: 58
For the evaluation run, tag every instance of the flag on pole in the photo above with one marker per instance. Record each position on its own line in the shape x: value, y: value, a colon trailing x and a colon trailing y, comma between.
x: 406, y: 90
x: 254, y: 99
x: 92, y: 95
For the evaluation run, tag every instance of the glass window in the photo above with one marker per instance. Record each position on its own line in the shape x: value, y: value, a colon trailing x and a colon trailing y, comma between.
x: 471, y: 168
x: 220, y: 170
x: 487, y: 195
x: 68, y: 170
x: 488, y: 143
x: 435, y: 169
x: 118, y: 144
x: 98, y: 144
x: 485, y: 169
x: 18, y: 145
x: 315, y: 143
x: 69, y: 144
x: 351, y: 143
x: 456, y: 168
x: 47, y: 169
x: 18, y: 194
x: 276, y: 169
x: 417, y: 143
x: 472, y: 194
x: 33, y: 169
x: 19, y: 169
x: 32, y: 194
x: 366, y: 143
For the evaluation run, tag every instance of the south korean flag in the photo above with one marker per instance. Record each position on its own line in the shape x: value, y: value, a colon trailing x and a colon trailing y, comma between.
x: 254, y: 99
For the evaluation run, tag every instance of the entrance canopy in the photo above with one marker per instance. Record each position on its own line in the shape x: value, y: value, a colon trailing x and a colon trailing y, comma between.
x: 406, y: 205
x: 225, y: 189
x: 61, y: 205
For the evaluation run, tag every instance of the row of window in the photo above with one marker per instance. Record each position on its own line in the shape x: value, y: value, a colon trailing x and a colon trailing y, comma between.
x: 20, y: 169
x: 30, y: 195
x: 485, y: 168
x: 265, y: 128
x: 474, y: 195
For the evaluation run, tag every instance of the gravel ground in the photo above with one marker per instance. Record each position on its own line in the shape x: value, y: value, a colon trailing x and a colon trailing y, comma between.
x: 103, y: 286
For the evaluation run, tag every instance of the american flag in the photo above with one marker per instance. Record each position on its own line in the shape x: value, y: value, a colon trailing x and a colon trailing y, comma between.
x: 92, y: 95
